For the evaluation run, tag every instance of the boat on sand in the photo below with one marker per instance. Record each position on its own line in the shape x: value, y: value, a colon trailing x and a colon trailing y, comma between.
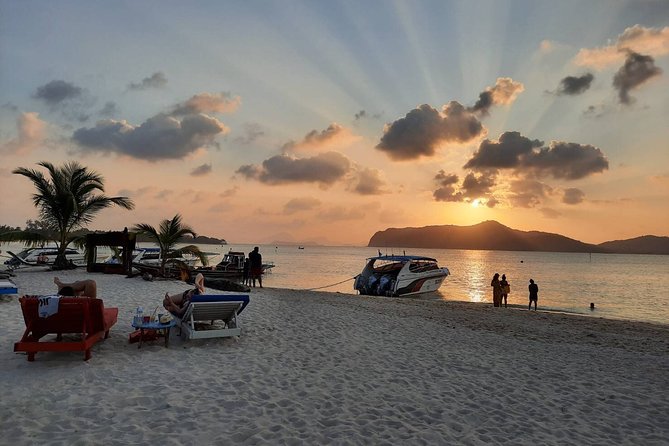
x: 400, y: 275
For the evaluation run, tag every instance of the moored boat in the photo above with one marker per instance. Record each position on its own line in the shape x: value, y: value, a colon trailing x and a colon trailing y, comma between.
x: 400, y: 275
x: 41, y: 257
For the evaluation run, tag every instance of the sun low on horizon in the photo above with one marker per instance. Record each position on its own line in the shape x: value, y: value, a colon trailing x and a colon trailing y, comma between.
x: 328, y: 121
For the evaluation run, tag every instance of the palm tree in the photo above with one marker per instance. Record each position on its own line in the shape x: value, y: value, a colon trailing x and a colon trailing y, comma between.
x: 67, y: 201
x: 167, y: 236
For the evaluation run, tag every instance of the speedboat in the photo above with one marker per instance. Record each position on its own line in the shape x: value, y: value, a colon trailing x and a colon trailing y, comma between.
x: 233, y: 262
x: 151, y: 257
x: 44, y: 256
x: 395, y: 275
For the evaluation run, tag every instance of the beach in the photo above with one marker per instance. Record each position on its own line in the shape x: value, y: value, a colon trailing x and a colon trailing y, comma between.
x: 327, y: 368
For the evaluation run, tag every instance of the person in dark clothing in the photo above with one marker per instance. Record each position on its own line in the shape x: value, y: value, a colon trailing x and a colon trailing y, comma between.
x: 534, y: 295
x: 245, y: 272
x: 255, y: 266
x: 506, y: 289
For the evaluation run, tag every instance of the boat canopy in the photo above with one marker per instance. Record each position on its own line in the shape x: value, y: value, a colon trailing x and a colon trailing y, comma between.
x: 404, y: 258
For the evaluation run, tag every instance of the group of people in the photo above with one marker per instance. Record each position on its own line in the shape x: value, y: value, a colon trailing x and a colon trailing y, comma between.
x: 502, y: 288
x: 253, y: 268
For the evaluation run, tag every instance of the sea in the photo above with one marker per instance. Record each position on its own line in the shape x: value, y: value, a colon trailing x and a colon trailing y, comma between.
x: 621, y: 286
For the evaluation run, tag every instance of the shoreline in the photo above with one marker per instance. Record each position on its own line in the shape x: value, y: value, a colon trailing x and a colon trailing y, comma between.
x: 315, y: 367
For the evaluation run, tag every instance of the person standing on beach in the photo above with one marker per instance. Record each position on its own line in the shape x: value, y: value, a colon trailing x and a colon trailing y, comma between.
x: 506, y: 289
x: 245, y: 272
x: 496, y: 290
x: 255, y: 266
x: 534, y: 295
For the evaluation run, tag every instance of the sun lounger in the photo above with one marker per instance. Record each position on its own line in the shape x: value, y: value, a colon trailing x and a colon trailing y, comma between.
x: 205, y: 311
x: 85, y: 317
x: 7, y: 287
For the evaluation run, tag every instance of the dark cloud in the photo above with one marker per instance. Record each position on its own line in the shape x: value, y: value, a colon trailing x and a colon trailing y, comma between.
x: 562, y: 160
x: 528, y: 193
x: 324, y: 168
x: 334, y: 133
x: 208, y: 103
x: 504, y: 153
x: 474, y: 186
x: 204, y: 169
x: 109, y: 109
x: 361, y: 114
x: 565, y: 160
x: 634, y: 73
x: 504, y: 91
x: 573, y: 196
x: 10, y: 106
x: 156, y: 80
x: 572, y: 85
x: 424, y: 128
x: 160, y: 137
x: 57, y: 92
x: 368, y: 182
x: 300, y: 204
x: 447, y: 187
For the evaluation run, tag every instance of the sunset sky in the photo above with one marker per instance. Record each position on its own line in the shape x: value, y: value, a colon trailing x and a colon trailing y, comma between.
x: 326, y: 121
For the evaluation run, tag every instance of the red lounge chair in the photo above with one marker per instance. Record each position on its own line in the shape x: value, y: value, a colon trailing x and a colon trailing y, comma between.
x: 76, y: 315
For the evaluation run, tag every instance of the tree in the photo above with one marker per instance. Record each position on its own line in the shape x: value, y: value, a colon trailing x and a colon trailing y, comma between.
x: 67, y: 200
x: 167, y: 236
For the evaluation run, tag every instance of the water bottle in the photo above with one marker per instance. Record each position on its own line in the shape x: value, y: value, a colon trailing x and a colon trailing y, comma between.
x: 139, y: 316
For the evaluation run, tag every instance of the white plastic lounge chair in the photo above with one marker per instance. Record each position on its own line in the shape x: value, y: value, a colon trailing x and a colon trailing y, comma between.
x: 212, y: 309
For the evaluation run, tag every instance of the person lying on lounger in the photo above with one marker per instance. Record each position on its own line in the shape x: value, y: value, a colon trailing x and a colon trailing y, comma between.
x: 86, y: 288
x: 177, y: 303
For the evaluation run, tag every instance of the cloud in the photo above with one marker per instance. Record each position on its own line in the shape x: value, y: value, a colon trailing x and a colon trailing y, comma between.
x: 208, y: 103
x: 324, y: 169
x: 506, y: 152
x: 202, y: 170
x: 334, y: 135
x: 573, y: 196
x: 31, y: 131
x: 109, y: 109
x: 504, y: 92
x: 300, y: 204
x: 361, y: 114
x: 637, y: 39
x: 156, y: 80
x: 252, y: 131
x: 474, y: 186
x: 368, y: 181
x: 424, y: 128
x: 528, y: 193
x: 572, y: 85
x: 634, y: 73
x: 550, y: 213
x: 446, y: 190
x: 562, y: 160
x: 159, y: 137
x: 57, y: 91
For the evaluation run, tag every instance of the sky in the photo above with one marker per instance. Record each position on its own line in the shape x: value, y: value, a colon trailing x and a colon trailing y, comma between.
x: 326, y: 121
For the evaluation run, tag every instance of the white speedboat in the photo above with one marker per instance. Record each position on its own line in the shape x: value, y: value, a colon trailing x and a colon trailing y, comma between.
x: 396, y: 275
x: 44, y: 256
x: 151, y: 257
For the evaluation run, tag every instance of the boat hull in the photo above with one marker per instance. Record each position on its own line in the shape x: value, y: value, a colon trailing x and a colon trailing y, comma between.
x: 400, y: 276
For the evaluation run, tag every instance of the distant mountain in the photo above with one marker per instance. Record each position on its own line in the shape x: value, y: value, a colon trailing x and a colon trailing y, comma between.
x: 646, y: 244
x: 489, y: 235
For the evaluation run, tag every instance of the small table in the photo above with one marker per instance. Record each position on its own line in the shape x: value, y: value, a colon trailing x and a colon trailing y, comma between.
x: 154, y: 326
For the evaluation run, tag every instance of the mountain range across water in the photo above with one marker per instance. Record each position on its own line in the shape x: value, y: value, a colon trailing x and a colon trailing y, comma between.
x: 494, y: 236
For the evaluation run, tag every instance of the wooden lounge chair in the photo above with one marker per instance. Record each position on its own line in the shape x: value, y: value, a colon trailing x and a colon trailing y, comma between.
x: 204, y: 311
x: 84, y: 316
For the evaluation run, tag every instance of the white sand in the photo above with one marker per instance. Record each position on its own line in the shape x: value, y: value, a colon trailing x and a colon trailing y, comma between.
x: 322, y: 368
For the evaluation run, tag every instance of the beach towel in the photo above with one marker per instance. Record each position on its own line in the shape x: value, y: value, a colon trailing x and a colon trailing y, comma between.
x: 48, y: 305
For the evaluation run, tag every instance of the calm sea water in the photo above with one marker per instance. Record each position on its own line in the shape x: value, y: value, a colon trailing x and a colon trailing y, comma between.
x: 622, y: 286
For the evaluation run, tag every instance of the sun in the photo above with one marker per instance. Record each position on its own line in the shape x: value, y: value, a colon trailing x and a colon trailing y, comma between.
x: 476, y: 203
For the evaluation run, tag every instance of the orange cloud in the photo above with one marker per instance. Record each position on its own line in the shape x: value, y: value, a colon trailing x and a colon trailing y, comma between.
x: 30, y: 134
x: 638, y: 39
x: 335, y: 136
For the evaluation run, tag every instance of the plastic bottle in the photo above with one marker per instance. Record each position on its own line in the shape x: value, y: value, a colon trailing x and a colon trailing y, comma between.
x: 139, y: 316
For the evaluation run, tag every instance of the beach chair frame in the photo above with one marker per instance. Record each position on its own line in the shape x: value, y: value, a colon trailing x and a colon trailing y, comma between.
x: 199, y: 312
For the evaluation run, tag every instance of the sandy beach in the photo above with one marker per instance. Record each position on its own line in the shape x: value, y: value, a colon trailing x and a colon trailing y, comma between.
x: 325, y: 368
